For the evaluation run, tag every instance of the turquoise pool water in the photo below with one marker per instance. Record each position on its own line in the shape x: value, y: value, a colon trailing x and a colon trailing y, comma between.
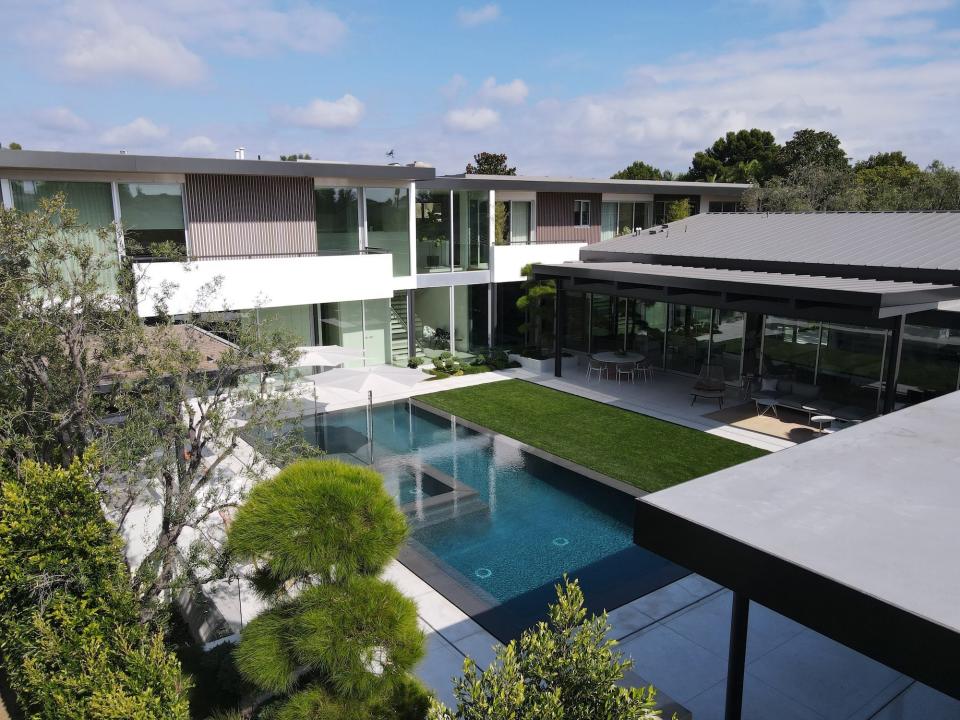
x: 516, y: 524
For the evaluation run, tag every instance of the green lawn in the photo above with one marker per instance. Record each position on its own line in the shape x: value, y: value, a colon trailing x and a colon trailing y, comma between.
x: 643, y: 451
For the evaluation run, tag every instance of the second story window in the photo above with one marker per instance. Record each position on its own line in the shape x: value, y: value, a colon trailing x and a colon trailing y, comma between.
x: 152, y: 217
x: 581, y: 213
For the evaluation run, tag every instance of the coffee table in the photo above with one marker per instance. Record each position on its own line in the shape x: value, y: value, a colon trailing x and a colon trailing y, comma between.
x: 822, y: 420
x: 768, y: 405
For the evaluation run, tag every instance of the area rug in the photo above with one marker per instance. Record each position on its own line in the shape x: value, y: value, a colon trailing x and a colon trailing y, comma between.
x: 790, y: 425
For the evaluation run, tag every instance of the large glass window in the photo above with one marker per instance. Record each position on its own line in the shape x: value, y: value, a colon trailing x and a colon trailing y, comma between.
x: 294, y: 319
x: 431, y: 309
x: 341, y: 323
x: 434, y: 225
x: 790, y: 349
x: 94, y: 206
x: 850, y: 365
x: 726, y: 347
x: 577, y: 324
x: 471, y: 225
x: 388, y: 225
x: 519, y: 222
x: 581, y: 213
x: 608, y: 221
x: 471, y: 313
x: 152, y: 217
x: 603, y: 322
x: 647, y: 329
x: 929, y: 362
x: 508, y: 328
x: 338, y: 220
x: 688, y: 338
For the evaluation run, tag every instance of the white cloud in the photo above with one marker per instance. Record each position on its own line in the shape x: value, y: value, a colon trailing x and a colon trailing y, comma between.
x: 472, y: 119
x: 513, y: 92
x: 478, y: 16
x: 61, y: 120
x: 198, y: 145
x: 162, y: 42
x: 138, y: 132
x: 328, y: 114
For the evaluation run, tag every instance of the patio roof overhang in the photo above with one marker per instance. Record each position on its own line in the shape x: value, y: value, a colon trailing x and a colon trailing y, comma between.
x: 854, y: 535
x: 813, y: 297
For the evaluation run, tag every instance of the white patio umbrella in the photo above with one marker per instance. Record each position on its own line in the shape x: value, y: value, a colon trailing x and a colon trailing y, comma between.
x: 380, y: 379
x: 329, y: 355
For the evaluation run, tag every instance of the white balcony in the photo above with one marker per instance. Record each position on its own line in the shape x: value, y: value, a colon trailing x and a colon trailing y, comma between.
x: 508, y: 260
x: 264, y: 282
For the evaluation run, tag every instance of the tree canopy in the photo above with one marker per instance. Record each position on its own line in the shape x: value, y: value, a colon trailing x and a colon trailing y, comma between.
x: 639, y: 170
x: 741, y: 156
x: 811, y: 148
x: 490, y: 164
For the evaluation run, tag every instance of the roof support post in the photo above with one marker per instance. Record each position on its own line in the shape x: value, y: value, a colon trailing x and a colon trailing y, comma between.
x: 737, y: 657
x: 891, y: 365
x: 559, y: 310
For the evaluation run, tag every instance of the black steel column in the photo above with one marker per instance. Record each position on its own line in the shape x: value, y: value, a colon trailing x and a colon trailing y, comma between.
x: 315, y: 324
x: 560, y: 311
x: 737, y: 657
x: 891, y: 366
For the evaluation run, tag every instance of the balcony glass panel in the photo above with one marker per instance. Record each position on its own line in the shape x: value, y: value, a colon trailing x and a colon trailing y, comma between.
x: 388, y: 225
x: 434, y: 225
x: 338, y: 224
x: 152, y: 217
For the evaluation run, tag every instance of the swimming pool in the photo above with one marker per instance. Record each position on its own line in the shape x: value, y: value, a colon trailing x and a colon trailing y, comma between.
x: 493, y: 526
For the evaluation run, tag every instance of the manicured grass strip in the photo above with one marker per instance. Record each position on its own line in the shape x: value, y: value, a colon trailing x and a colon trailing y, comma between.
x: 643, y: 451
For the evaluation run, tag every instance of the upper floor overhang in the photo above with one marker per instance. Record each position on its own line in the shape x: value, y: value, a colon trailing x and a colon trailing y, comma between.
x: 20, y: 162
x: 464, y: 181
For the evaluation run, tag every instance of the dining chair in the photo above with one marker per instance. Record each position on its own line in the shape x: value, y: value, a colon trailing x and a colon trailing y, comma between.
x: 626, y: 370
x: 594, y: 366
x: 644, y: 370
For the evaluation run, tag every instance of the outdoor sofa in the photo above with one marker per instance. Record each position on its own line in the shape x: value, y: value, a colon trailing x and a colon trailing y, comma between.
x: 804, y: 397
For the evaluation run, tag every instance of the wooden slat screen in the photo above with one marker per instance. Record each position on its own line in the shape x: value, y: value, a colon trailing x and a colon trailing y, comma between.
x: 555, y: 218
x: 238, y: 215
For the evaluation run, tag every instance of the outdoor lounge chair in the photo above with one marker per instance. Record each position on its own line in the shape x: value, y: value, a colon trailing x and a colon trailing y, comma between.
x: 710, y: 384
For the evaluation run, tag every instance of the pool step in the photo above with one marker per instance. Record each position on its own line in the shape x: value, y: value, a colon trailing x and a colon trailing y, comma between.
x: 440, y: 509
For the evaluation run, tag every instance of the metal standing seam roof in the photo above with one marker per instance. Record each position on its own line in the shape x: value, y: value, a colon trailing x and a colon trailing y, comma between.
x: 859, y: 291
x: 928, y: 240
x: 855, y: 532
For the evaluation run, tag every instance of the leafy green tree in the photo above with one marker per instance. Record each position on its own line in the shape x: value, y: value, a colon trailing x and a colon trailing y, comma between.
x: 750, y: 155
x: 639, y: 170
x: 70, y: 638
x: 14, y: 146
x: 490, y: 164
x: 679, y: 210
x: 563, y: 669
x: 293, y: 157
x: 78, y: 366
x: 336, y: 640
x: 811, y: 148
x: 537, y: 303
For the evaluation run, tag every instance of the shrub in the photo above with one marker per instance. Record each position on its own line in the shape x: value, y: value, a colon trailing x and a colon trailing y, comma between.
x: 560, y: 670
x: 415, y: 361
x: 447, y: 363
x: 70, y: 638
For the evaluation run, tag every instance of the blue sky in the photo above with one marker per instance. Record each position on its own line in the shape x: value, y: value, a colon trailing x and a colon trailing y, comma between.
x: 565, y: 88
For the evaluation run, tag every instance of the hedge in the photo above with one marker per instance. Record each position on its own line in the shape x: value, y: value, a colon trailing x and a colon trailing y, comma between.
x: 70, y: 638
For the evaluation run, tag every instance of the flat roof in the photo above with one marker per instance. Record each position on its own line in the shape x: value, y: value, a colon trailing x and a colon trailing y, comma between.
x: 923, y: 245
x: 26, y: 160
x: 883, y: 298
x: 854, y: 534
x: 532, y: 183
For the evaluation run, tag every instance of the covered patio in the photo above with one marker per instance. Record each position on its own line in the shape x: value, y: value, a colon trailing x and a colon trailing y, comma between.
x: 853, y: 345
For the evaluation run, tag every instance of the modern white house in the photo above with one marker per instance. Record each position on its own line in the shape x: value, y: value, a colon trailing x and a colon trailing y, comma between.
x: 390, y: 259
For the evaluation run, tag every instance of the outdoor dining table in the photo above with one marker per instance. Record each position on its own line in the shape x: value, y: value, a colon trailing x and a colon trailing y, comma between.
x: 610, y: 360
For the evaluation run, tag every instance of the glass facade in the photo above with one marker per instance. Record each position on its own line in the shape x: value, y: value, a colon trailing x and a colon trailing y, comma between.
x: 520, y: 216
x: 508, y: 326
x: 929, y: 362
x: 431, y: 310
x: 295, y: 319
x: 93, y: 202
x: 152, y: 217
x: 434, y: 227
x: 688, y: 338
x: 338, y: 220
x: 471, y: 316
x: 471, y: 230
x: 388, y: 225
